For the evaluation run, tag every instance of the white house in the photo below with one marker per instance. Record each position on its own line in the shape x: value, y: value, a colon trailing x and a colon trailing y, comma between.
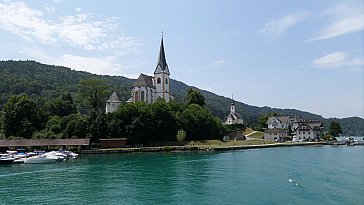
x: 147, y: 88
x: 275, y: 134
x: 113, y: 103
x: 309, y: 130
x: 233, y: 117
x: 281, y: 122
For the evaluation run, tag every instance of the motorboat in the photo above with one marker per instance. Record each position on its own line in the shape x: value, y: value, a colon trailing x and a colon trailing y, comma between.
x: 40, y: 159
x: 6, y: 159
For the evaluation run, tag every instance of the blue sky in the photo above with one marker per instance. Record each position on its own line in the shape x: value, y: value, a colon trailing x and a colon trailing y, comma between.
x: 306, y: 55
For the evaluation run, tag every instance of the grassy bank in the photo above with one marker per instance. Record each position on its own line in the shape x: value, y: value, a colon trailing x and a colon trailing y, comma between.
x: 201, y: 145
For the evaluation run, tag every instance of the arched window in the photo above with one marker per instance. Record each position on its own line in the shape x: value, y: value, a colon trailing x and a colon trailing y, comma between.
x: 142, y: 96
x: 136, y: 96
x: 158, y: 81
x: 166, y: 80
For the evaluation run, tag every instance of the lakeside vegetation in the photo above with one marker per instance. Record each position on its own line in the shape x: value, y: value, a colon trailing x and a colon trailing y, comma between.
x: 53, y: 88
x: 64, y: 117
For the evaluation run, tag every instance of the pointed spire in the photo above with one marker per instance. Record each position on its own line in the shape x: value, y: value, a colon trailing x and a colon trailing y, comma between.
x: 232, y: 108
x: 162, y: 63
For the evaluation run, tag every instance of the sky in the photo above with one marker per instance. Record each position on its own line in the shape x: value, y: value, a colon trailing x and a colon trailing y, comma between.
x: 306, y: 55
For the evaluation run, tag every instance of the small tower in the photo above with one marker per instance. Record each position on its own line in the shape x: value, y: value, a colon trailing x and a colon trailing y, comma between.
x: 232, y: 108
x: 161, y: 76
x: 113, y: 103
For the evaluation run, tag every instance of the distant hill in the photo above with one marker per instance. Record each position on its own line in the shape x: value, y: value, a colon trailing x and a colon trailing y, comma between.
x: 50, y: 81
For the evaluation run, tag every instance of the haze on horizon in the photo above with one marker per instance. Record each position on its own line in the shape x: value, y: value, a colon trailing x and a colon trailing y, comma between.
x: 305, y: 55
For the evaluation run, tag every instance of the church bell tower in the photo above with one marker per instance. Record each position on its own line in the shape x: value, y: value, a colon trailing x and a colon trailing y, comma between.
x: 161, y: 76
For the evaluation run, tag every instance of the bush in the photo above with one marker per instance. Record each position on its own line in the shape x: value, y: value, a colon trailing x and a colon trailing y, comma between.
x: 181, y: 135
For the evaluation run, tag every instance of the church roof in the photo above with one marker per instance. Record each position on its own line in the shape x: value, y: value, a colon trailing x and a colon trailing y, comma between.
x: 144, y: 81
x: 234, y: 116
x: 162, y: 66
x: 114, y: 98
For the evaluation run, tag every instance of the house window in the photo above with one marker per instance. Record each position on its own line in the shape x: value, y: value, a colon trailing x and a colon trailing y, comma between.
x: 308, y: 132
x: 303, y: 132
x: 299, y: 133
x: 158, y: 81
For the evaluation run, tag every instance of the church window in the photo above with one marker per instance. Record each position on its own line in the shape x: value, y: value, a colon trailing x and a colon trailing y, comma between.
x: 136, y: 96
x: 166, y: 80
x: 142, y: 96
x: 158, y: 81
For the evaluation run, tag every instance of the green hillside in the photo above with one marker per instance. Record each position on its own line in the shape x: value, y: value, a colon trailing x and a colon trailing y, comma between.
x: 49, y: 81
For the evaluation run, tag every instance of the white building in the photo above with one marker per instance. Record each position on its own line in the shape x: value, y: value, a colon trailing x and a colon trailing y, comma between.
x: 275, y: 134
x: 309, y: 130
x: 147, y: 88
x: 281, y: 122
x: 113, y: 103
x: 233, y: 117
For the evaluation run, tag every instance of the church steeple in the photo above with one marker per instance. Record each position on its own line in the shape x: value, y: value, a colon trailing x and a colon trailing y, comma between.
x: 232, y: 108
x: 162, y: 66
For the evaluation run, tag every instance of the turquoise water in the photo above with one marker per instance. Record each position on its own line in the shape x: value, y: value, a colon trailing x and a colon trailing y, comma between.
x: 287, y: 175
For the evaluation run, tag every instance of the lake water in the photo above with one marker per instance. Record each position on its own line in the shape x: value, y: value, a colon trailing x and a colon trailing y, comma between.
x: 287, y: 175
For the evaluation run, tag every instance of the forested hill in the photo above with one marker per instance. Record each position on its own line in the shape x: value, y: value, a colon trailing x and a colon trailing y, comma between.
x: 40, y: 80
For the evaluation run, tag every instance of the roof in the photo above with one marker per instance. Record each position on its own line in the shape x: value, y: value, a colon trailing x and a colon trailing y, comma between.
x: 313, y: 125
x: 275, y: 130
x: 43, y: 142
x: 113, y: 139
x: 114, y: 98
x: 234, y: 116
x: 282, y: 119
x: 144, y: 81
x: 162, y: 63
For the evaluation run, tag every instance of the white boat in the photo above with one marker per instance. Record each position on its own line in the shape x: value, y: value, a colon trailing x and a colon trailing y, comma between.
x: 40, y: 159
x: 6, y: 159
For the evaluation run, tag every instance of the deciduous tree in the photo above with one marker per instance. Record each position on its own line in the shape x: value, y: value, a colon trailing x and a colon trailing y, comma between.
x: 335, y: 129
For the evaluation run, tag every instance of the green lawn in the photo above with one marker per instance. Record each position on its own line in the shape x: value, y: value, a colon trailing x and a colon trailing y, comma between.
x: 257, y: 135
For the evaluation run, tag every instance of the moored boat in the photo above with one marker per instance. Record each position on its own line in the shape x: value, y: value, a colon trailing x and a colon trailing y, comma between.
x: 6, y: 159
x: 41, y: 159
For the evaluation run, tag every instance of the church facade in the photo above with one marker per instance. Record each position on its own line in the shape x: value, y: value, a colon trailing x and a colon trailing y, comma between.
x: 149, y: 88
x: 233, y: 117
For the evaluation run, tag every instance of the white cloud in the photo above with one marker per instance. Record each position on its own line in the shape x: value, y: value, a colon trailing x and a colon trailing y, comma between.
x: 79, y: 30
x: 217, y: 63
x: 336, y: 60
x: 107, y: 65
x: 276, y: 27
x: 19, y: 19
x: 345, y: 17
x: 99, y: 65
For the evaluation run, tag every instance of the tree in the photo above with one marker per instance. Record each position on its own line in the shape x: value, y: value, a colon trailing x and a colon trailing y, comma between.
x: 195, y: 97
x: 92, y: 94
x: 263, y: 119
x: 199, y: 123
x: 1, y: 124
x: 21, y: 117
x: 335, y: 129
x: 63, y: 105
x: 97, y: 127
x: 289, y: 131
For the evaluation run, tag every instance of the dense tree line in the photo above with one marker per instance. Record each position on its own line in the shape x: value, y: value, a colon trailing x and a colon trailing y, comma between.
x: 27, y: 117
x: 48, y: 82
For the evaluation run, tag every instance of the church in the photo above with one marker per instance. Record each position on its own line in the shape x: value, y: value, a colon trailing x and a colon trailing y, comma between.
x: 148, y: 88
x: 233, y: 117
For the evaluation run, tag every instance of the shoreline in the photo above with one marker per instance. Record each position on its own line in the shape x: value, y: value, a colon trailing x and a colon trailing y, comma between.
x: 197, y: 148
